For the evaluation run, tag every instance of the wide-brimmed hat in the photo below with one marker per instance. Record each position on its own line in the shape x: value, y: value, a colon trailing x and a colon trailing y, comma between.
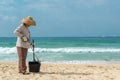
x: 29, y: 21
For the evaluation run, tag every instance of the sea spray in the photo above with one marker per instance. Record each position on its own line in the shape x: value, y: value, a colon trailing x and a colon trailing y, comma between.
x: 11, y: 50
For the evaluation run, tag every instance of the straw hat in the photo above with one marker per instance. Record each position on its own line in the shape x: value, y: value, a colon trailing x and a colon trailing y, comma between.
x: 29, y: 21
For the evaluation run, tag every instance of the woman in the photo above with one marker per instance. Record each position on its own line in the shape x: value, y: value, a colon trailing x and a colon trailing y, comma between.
x: 23, y: 41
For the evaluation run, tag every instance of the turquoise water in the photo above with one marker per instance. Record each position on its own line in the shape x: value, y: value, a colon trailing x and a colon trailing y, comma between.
x: 65, y: 49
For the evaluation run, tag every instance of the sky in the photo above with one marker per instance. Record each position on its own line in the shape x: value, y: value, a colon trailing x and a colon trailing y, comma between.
x: 62, y: 18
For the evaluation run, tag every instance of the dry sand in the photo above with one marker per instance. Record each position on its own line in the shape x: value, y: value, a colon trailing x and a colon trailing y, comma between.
x: 9, y: 71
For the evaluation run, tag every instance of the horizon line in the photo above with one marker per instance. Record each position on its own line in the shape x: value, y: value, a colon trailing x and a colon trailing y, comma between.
x: 63, y: 36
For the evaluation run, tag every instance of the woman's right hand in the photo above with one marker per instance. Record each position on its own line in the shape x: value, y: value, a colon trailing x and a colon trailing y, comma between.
x: 31, y: 43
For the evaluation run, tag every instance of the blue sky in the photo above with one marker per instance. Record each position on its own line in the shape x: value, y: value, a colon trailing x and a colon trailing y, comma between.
x: 62, y: 18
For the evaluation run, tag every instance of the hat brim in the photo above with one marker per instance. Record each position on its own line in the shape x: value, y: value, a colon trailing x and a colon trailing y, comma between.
x: 29, y: 22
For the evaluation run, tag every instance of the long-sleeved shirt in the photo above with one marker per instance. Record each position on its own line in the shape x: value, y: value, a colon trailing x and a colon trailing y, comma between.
x: 21, y: 31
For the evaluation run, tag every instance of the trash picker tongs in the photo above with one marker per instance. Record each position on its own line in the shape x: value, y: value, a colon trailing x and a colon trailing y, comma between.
x: 33, y: 48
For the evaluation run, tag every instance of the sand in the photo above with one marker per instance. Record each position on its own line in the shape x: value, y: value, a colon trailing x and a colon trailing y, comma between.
x: 9, y: 71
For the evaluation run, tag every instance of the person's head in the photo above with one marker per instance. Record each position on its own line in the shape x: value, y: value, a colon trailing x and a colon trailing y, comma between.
x: 28, y: 21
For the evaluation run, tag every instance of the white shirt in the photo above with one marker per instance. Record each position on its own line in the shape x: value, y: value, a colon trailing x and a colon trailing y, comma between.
x: 21, y: 31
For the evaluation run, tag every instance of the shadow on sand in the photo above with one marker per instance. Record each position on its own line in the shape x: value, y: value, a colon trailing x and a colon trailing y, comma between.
x: 66, y: 73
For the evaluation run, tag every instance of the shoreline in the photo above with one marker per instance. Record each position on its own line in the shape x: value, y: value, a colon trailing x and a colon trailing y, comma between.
x: 86, y: 62
x: 9, y: 71
x: 81, y: 62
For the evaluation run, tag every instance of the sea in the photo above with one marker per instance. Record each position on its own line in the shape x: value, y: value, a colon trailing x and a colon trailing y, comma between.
x: 68, y: 50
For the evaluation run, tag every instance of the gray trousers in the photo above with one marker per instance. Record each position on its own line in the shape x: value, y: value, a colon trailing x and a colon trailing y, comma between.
x: 22, y: 54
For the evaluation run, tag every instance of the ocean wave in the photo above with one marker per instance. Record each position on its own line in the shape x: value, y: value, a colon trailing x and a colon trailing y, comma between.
x: 8, y: 50
x: 77, y: 50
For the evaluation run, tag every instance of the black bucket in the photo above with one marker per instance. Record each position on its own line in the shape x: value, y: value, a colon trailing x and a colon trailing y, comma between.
x: 34, y: 66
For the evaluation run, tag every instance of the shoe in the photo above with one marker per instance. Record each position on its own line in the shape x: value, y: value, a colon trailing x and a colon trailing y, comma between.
x: 23, y: 72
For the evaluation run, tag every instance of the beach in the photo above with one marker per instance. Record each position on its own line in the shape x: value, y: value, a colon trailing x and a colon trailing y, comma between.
x: 9, y: 71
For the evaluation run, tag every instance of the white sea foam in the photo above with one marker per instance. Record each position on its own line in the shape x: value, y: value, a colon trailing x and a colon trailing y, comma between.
x: 85, y: 62
x: 9, y: 50
x: 77, y: 50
